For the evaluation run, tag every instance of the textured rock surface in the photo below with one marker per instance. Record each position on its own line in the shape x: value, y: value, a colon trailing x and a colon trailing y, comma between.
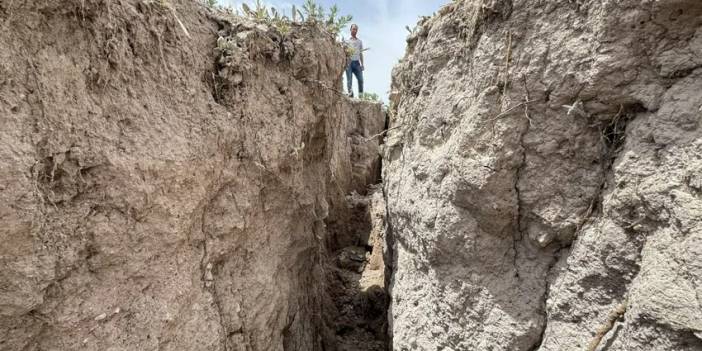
x: 157, y: 193
x: 543, y: 182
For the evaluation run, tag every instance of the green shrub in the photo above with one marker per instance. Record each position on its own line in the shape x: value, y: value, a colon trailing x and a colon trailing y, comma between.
x: 311, y: 13
x: 350, y: 50
x: 369, y: 97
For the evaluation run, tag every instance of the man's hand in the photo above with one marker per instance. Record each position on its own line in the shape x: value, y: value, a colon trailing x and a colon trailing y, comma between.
x: 363, y: 67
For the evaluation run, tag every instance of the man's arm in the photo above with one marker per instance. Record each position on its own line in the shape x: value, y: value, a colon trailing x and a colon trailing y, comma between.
x: 363, y: 65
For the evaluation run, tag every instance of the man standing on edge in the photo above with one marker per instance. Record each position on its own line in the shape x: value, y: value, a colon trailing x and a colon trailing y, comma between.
x: 355, y: 64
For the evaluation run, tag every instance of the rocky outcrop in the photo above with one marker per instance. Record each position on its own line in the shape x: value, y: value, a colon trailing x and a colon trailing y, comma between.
x: 543, y: 179
x: 167, y: 176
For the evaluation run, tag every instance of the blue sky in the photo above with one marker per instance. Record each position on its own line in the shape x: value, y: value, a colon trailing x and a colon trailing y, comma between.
x: 381, y: 27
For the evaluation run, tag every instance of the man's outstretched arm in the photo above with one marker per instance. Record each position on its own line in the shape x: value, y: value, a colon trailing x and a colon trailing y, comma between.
x: 363, y: 65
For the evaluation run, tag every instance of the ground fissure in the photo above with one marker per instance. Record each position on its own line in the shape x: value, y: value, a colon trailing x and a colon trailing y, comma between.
x: 175, y: 177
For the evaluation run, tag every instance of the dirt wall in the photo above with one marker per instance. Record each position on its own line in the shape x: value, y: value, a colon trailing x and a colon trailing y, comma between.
x: 542, y: 180
x: 167, y: 175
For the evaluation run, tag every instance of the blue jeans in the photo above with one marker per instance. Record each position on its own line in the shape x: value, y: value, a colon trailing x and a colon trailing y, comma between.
x: 355, y: 68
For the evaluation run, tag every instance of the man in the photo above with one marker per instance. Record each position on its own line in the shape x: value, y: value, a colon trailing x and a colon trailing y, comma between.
x: 355, y: 65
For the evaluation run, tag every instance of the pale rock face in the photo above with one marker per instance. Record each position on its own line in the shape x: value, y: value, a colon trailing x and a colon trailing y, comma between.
x: 160, y: 191
x: 543, y: 184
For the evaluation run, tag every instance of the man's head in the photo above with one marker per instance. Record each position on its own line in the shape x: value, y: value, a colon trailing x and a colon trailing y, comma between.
x: 354, y: 30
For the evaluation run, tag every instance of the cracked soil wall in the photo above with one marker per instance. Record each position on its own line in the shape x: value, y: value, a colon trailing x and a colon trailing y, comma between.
x: 164, y: 190
x: 543, y: 182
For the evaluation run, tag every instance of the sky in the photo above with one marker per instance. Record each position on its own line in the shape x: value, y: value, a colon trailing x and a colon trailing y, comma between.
x: 381, y: 27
